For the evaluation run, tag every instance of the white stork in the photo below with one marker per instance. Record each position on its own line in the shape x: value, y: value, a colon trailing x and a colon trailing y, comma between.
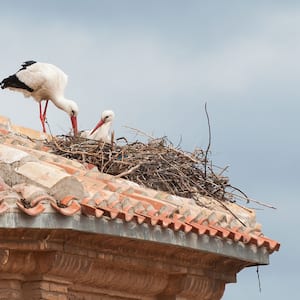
x: 101, y: 132
x: 43, y: 81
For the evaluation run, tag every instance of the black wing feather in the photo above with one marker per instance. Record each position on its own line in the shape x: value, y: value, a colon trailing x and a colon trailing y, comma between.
x: 14, y: 82
x: 27, y: 64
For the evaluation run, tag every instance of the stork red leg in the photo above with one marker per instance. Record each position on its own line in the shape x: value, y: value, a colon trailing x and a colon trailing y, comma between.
x: 45, y: 110
x: 42, y: 118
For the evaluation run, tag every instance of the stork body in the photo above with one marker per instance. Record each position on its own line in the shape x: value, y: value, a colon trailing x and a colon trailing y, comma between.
x: 101, y: 132
x: 43, y: 81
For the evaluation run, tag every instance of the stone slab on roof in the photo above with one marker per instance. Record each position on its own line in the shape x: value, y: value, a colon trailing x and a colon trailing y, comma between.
x: 41, y: 190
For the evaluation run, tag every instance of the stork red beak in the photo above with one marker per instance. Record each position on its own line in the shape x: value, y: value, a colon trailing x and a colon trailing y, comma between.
x: 74, y: 124
x: 100, y: 123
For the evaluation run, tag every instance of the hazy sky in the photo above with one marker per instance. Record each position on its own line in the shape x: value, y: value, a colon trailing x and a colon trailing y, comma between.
x: 156, y: 63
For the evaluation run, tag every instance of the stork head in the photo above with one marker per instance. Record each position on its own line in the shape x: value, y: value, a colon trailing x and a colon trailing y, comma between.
x: 107, y: 116
x: 72, y: 110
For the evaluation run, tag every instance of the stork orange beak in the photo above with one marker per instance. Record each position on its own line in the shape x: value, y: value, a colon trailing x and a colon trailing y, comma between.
x: 74, y: 125
x: 100, y: 123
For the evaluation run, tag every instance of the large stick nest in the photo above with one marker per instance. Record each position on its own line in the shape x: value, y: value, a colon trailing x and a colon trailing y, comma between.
x: 156, y: 164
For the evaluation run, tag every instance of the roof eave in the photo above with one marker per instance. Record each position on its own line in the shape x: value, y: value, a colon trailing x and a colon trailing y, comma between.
x: 250, y: 253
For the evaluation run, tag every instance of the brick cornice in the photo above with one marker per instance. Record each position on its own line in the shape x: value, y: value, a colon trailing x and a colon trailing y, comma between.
x: 114, y: 264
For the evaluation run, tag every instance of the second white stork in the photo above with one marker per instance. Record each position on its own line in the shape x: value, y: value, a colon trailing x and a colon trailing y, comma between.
x: 101, y: 132
x: 43, y: 81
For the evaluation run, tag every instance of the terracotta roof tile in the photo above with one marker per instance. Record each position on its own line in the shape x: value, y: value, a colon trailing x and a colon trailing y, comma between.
x: 34, y: 181
x: 33, y: 134
x: 31, y: 211
x: 68, y: 206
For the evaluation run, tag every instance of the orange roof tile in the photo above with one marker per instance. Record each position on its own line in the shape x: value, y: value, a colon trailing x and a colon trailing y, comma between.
x: 36, y: 182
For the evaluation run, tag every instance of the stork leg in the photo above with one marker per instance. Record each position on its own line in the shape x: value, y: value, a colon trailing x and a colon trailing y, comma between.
x: 43, y: 114
x: 45, y: 110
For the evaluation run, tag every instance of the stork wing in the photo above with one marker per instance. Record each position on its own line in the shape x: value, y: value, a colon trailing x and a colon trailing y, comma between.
x: 43, y: 75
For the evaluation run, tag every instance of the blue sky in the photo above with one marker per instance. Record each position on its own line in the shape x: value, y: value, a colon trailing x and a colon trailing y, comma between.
x: 156, y: 63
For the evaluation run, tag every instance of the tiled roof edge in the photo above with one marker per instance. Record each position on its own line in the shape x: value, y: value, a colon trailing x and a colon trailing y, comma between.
x: 144, y: 231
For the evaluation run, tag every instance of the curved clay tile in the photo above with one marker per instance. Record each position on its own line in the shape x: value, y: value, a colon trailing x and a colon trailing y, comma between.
x: 68, y: 206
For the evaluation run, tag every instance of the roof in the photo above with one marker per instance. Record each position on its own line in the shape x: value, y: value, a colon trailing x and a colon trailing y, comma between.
x: 41, y: 190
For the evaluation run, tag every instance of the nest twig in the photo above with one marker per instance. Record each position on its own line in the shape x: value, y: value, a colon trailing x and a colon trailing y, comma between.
x: 155, y: 164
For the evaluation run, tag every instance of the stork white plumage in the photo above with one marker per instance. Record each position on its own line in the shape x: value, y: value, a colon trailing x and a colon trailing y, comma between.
x: 43, y: 81
x: 101, y: 132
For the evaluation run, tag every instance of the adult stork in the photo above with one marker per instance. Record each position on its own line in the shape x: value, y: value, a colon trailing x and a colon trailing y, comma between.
x: 43, y: 81
x: 101, y: 132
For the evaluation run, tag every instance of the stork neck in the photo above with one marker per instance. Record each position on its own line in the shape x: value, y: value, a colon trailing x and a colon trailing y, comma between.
x: 106, y: 127
x: 63, y: 103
